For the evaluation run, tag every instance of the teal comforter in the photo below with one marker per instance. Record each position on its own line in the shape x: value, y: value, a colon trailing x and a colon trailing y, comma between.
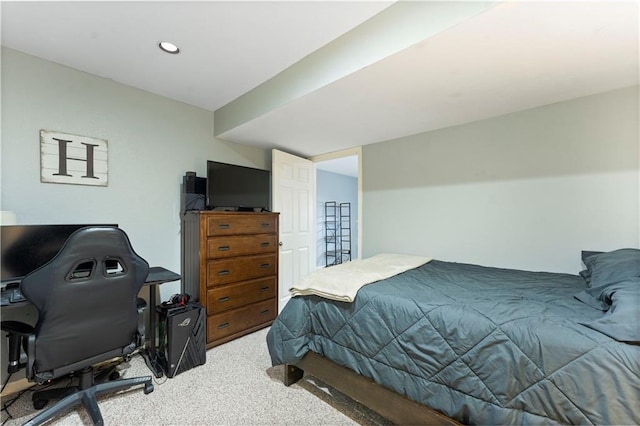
x: 482, y: 345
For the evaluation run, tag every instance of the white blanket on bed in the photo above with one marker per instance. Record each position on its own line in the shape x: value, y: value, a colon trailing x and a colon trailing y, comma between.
x: 342, y: 282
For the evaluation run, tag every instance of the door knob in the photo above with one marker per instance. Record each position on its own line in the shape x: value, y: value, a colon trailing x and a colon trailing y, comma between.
x: 280, y: 243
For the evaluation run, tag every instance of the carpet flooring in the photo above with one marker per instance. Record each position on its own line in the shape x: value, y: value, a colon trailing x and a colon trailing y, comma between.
x: 236, y: 386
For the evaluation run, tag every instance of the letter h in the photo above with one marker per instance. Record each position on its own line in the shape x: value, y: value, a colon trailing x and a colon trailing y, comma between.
x: 62, y: 159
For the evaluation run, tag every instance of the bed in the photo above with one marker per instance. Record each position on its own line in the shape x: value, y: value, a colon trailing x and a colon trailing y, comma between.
x: 479, y: 345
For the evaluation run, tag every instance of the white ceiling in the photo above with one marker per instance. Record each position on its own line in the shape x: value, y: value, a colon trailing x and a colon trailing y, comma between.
x: 227, y: 47
x: 514, y: 56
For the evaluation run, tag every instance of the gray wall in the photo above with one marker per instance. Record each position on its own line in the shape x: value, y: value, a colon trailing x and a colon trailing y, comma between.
x: 526, y: 190
x: 152, y: 142
x: 342, y: 189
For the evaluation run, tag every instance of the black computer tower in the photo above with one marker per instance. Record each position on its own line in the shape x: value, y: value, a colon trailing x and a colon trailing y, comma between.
x: 182, y: 343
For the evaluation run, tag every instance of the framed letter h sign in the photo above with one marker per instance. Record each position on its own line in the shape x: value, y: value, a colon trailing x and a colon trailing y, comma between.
x: 74, y: 159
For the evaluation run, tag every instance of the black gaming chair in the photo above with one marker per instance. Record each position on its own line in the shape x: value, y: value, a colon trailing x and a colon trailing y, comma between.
x: 86, y: 298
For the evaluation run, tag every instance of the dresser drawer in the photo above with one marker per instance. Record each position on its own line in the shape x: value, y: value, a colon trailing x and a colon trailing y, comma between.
x: 240, y: 224
x: 238, y: 245
x: 231, y: 296
x: 237, y: 320
x: 225, y: 271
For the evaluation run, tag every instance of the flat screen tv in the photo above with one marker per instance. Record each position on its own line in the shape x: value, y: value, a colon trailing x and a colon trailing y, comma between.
x: 24, y: 248
x: 239, y: 188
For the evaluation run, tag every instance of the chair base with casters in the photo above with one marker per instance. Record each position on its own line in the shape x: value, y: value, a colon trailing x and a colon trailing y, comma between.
x: 85, y: 393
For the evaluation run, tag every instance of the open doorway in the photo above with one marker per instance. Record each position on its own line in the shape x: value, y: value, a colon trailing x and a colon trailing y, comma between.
x: 338, y: 197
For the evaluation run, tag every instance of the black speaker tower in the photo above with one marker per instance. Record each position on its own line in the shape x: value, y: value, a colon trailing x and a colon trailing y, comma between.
x: 194, y: 192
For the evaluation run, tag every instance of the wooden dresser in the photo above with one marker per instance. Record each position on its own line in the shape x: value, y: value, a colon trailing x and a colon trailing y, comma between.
x: 230, y: 265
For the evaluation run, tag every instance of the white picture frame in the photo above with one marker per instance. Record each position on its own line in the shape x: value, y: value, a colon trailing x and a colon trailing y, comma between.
x: 73, y: 159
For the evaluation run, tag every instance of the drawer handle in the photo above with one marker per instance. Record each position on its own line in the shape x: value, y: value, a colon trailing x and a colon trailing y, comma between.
x: 265, y: 265
x: 224, y: 248
x: 223, y: 325
x: 224, y: 226
x: 264, y: 244
x: 223, y: 299
x: 265, y: 312
x: 265, y: 288
x: 224, y: 272
x: 265, y: 224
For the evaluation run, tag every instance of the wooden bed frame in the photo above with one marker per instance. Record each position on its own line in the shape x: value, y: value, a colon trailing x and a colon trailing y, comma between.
x: 390, y: 405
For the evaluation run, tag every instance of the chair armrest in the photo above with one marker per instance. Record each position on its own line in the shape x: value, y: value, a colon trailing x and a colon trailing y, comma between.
x: 17, y: 332
x: 16, y: 327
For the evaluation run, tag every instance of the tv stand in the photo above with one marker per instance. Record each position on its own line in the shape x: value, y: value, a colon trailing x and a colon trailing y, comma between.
x: 245, y: 209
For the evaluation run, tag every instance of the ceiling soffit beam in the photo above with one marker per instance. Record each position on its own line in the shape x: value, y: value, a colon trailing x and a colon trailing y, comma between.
x: 397, y: 27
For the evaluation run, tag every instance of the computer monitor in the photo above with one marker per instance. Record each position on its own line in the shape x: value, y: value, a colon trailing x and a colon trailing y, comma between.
x: 25, y: 248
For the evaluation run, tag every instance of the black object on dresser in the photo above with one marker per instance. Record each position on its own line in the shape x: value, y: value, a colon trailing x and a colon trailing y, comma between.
x: 194, y: 190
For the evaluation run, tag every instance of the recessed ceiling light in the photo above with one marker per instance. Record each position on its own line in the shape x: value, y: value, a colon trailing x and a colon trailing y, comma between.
x: 169, y: 47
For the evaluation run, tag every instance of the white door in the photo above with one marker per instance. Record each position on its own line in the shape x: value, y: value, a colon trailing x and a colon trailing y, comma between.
x: 293, y: 191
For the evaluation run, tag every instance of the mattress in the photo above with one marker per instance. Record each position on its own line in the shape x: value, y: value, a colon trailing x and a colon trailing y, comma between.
x: 482, y: 345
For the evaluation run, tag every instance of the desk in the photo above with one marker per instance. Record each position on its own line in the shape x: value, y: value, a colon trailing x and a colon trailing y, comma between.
x: 157, y: 275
